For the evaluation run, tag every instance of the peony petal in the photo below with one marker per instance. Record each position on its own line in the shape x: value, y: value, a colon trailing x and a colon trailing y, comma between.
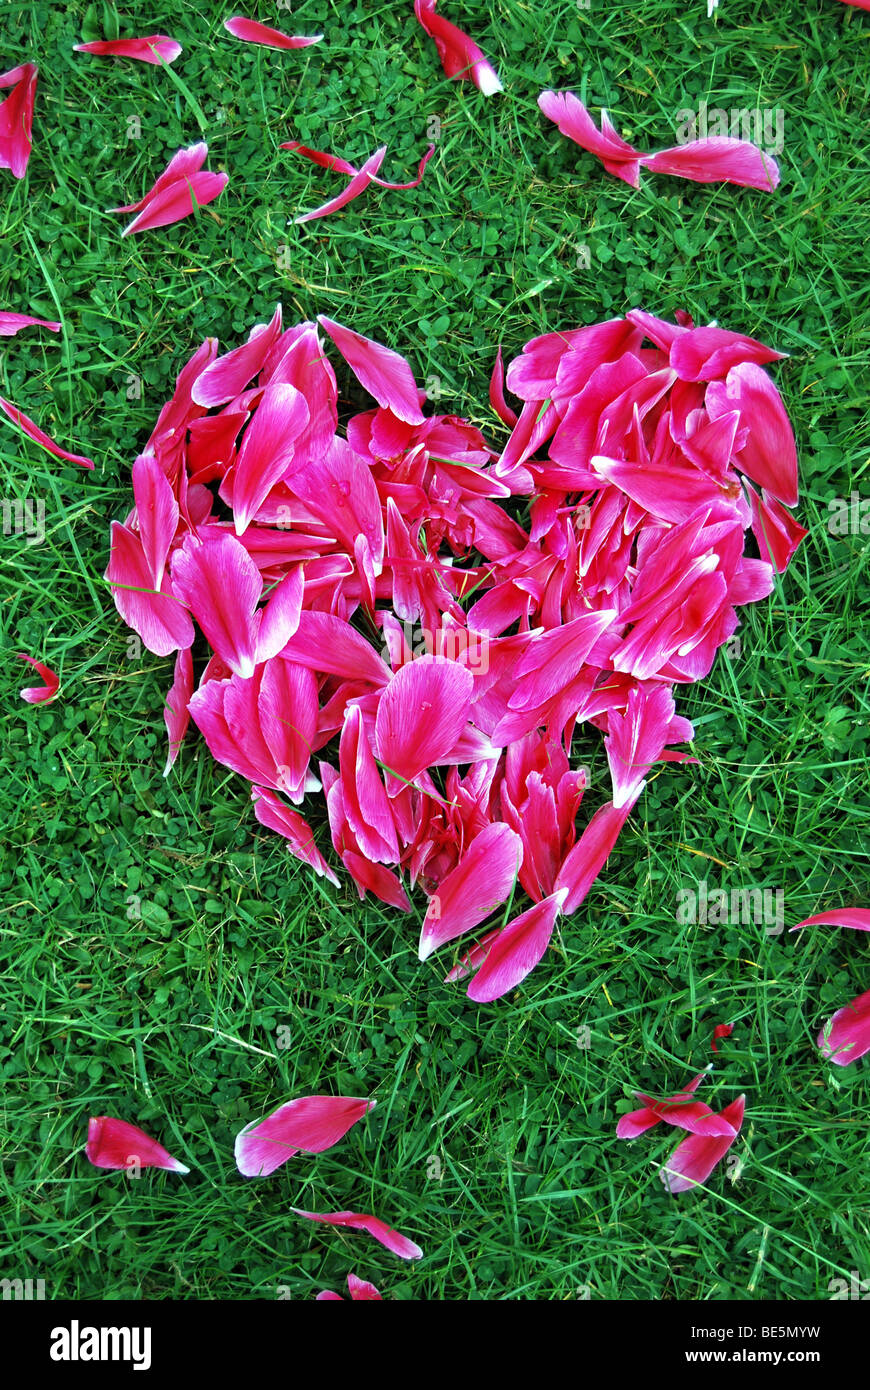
x: 272, y: 813
x: 846, y: 1037
x: 385, y: 374
x: 39, y: 436
x: 421, y: 714
x: 460, y: 56
x: 309, y: 1124
x: 482, y: 880
x: 156, y: 48
x: 516, y: 950
x: 176, y: 715
x: 39, y: 694
x: 399, y: 1245
x: 856, y: 917
x: 178, y: 200
x: 10, y: 324
x: 692, y: 1162
x: 252, y: 32
x: 116, y: 1144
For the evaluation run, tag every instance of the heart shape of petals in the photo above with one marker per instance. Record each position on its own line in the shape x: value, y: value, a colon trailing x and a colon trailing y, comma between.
x: 401, y: 635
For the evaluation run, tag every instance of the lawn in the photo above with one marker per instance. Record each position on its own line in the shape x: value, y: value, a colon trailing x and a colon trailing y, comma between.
x: 164, y: 959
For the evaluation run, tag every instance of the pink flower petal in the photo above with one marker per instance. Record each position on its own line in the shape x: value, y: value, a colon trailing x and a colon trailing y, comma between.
x: 156, y: 48
x: 16, y: 118
x: 855, y: 917
x: 176, y: 715
x: 516, y: 950
x: 460, y: 56
x: 357, y: 184
x: 393, y: 1240
x: 252, y: 32
x: 421, y: 714
x: 385, y: 374
x: 178, y: 200
x: 116, y: 1144
x: 40, y: 437
x: 846, y: 1037
x: 694, y: 1159
x: 271, y: 812
x: 309, y: 1124
x: 481, y: 881
x: 718, y: 159
x: 39, y: 694
x: 10, y: 324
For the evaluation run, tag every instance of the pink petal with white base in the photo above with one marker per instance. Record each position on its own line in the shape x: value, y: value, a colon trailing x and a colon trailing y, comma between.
x: 250, y: 31
x: 116, y: 1144
x: 310, y: 1124
x: 39, y: 694
x: 459, y: 54
x: 156, y: 48
x: 393, y: 1240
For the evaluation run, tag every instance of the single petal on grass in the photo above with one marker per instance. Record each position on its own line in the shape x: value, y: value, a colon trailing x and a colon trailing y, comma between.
x: 176, y: 715
x: 856, y: 917
x: 516, y: 950
x: 272, y: 812
x: 117, y: 1144
x: 385, y: 374
x: 39, y: 694
x: 178, y: 200
x: 421, y: 715
x: 250, y: 31
x: 846, y: 1037
x: 39, y: 436
x: 572, y: 118
x: 326, y: 160
x: 10, y: 324
x: 156, y: 48
x: 692, y: 1161
x: 482, y: 880
x: 718, y: 159
x: 393, y: 1240
x: 357, y: 184
x: 16, y: 118
x: 183, y: 165
x: 309, y: 1124
x: 722, y: 1030
x: 459, y: 54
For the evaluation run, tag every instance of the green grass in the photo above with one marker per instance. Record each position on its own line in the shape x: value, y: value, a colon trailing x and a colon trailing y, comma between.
x: 172, y: 1021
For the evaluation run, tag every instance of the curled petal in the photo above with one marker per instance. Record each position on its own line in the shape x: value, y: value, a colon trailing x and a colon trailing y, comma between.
x: 40, y: 694
x: 393, y: 1240
x: 156, y: 48
x: 252, y: 32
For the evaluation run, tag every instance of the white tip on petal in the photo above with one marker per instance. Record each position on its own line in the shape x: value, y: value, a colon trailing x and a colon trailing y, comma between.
x: 488, y: 81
